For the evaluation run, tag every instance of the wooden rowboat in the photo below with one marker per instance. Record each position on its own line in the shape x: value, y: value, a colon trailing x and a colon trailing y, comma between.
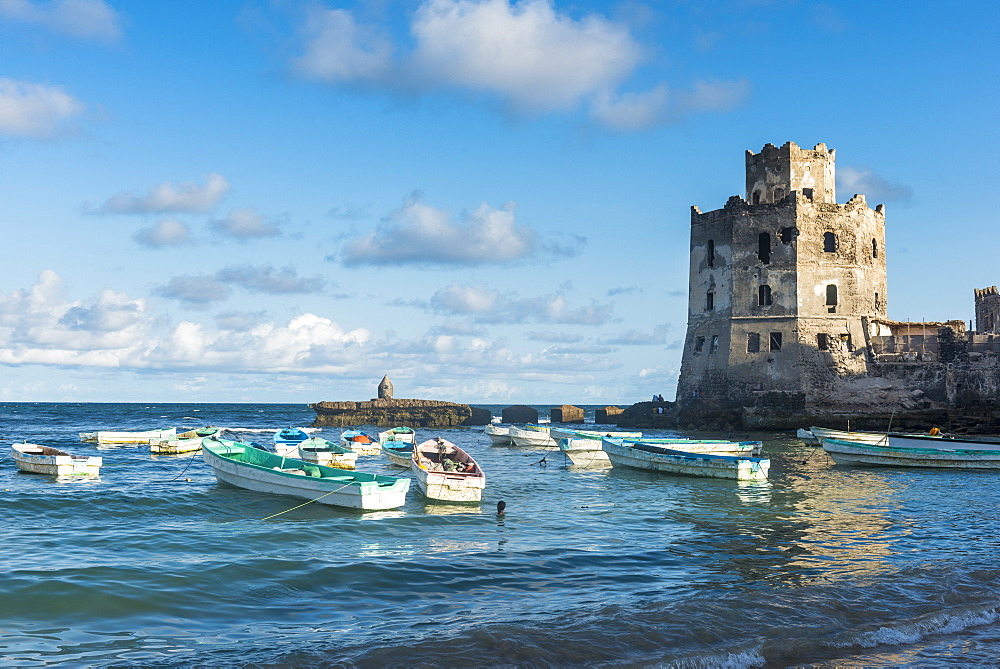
x: 242, y: 465
x: 652, y: 457
x: 37, y: 459
x: 583, y: 447
x: 185, y: 442
x: 359, y: 442
x: 325, y: 452
x: 532, y: 436
x: 144, y: 437
x: 397, y: 445
x: 910, y: 451
x: 499, y: 434
x: 447, y: 473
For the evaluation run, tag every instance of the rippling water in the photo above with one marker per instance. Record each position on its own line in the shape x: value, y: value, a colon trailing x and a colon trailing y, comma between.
x: 155, y: 563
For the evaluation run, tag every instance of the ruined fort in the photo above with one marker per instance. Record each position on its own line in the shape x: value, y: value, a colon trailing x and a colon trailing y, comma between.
x: 787, y: 316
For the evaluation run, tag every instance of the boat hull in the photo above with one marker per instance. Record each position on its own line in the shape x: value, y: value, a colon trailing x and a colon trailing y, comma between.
x: 145, y: 437
x: 334, y: 487
x: 176, y: 446
x: 359, y: 442
x: 854, y: 453
x: 37, y: 459
x: 532, y: 438
x: 446, y: 486
x: 691, y: 464
x: 327, y: 458
x: 499, y: 436
x: 398, y: 457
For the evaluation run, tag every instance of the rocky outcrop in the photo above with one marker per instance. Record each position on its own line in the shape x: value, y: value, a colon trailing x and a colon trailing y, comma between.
x: 566, y: 414
x: 478, y: 417
x: 608, y: 415
x: 520, y: 413
x: 390, y: 413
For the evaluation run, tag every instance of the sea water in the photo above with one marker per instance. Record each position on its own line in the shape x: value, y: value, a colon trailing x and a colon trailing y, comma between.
x: 156, y: 563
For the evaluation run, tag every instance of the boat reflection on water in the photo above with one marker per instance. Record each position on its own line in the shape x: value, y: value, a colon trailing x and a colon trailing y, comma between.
x: 754, y: 492
x: 440, y: 509
x: 382, y: 515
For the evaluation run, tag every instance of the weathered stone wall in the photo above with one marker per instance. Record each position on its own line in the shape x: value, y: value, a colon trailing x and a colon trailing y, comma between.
x: 792, y: 279
x: 390, y: 413
x: 566, y: 414
x: 987, y: 310
x: 608, y: 415
x: 519, y: 413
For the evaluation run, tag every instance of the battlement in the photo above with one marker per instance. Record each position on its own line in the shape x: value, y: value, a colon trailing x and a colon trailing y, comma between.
x: 776, y: 171
x: 736, y: 206
x: 983, y: 292
x: 987, y: 309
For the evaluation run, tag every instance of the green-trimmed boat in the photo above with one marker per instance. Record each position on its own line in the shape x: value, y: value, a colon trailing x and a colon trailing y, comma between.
x: 245, y: 466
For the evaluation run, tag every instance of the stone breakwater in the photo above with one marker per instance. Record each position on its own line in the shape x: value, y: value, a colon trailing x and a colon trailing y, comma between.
x: 393, y: 412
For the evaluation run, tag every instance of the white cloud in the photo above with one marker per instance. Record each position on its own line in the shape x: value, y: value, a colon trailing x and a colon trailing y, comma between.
x: 86, y: 19
x: 418, y: 234
x: 40, y: 326
x: 875, y: 188
x: 246, y: 224
x: 36, y: 110
x: 532, y: 56
x: 164, y: 234
x: 209, y: 288
x: 459, y: 298
x: 488, y: 306
x: 338, y: 49
x: 267, y: 279
x: 637, y: 111
x: 170, y: 197
x: 528, y: 55
x: 636, y: 338
x: 196, y: 290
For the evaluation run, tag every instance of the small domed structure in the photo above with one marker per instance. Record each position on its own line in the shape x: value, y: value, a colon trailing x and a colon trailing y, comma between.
x: 385, y: 388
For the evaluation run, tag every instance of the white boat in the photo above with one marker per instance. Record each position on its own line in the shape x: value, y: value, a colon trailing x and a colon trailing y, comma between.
x: 533, y: 436
x: 145, y: 437
x: 287, y: 440
x: 583, y: 447
x: 498, y: 434
x: 38, y: 459
x: 185, y: 442
x: 242, y: 465
x: 651, y: 457
x: 404, y: 434
x: 821, y: 433
x: 325, y: 452
x: 806, y: 435
x: 910, y: 451
x: 447, y: 473
x: 399, y: 453
x: 359, y: 442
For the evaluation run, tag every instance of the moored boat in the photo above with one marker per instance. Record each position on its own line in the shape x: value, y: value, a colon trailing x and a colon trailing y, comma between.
x: 325, y: 452
x: 184, y: 442
x: 143, y: 437
x: 38, y: 459
x: 806, y: 435
x: 359, y: 442
x: 447, y: 473
x: 657, y: 458
x: 909, y: 451
x: 821, y: 433
x: 499, y: 434
x: 242, y: 465
x: 532, y: 436
x: 583, y: 447
x: 287, y: 440
x: 400, y: 453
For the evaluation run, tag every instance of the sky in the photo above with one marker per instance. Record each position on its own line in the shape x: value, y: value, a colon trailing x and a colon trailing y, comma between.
x: 489, y: 201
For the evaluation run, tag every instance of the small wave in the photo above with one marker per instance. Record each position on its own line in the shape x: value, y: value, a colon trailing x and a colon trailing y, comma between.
x: 946, y: 622
x: 270, y: 430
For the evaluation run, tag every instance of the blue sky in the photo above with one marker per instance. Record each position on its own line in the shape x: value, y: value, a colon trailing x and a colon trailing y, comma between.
x: 489, y: 201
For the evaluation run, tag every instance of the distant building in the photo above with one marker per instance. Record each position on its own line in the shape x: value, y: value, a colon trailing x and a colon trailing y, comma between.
x: 385, y: 388
x: 787, y: 307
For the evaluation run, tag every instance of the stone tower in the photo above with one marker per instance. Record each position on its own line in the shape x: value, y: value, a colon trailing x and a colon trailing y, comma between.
x: 987, y: 310
x: 385, y: 388
x: 783, y: 286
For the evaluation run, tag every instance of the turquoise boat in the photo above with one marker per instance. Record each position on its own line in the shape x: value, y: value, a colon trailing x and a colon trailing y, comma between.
x: 245, y: 466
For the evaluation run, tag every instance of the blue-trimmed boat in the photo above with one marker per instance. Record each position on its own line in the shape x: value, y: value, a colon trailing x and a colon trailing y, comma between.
x: 917, y: 451
x: 657, y: 458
